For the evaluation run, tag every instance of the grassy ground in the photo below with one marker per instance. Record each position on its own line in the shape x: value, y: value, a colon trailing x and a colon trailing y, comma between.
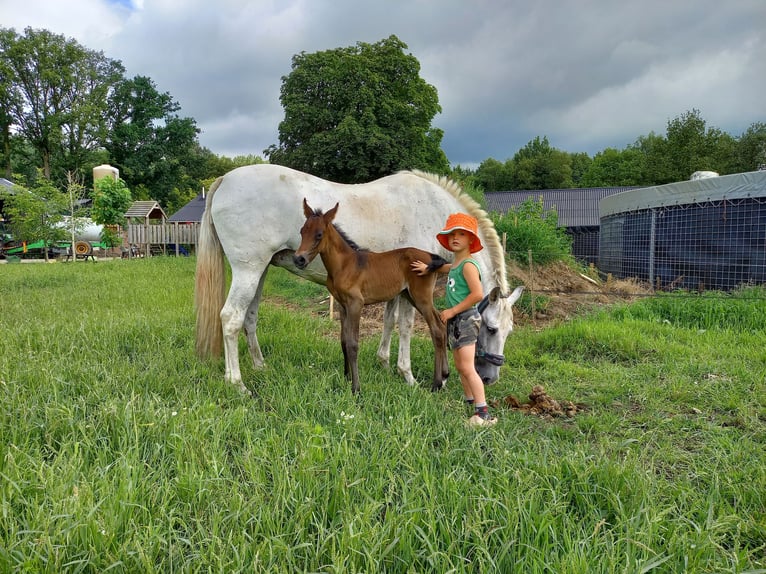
x: 122, y: 452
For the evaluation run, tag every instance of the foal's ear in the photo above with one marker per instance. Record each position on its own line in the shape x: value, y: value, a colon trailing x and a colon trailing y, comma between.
x: 307, y: 211
x: 330, y: 215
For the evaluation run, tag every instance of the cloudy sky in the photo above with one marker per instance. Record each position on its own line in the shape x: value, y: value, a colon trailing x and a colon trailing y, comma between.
x: 588, y: 74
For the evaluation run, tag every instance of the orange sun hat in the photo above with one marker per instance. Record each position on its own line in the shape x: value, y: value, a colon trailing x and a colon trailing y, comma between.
x: 465, y: 222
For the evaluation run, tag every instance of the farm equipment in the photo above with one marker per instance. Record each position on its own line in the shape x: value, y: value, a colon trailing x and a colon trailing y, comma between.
x: 87, y: 238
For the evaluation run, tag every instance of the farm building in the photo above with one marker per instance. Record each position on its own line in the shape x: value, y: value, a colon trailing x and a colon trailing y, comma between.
x: 191, y: 212
x: 701, y: 234
x: 577, y: 211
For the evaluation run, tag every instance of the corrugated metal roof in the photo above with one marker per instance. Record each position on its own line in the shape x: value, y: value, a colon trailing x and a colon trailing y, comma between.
x: 191, y: 212
x: 574, y: 207
x: 145, y: 210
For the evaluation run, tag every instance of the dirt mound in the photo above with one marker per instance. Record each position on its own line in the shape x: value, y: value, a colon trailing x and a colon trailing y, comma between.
x: 540, y: 404
x: 558, y: 292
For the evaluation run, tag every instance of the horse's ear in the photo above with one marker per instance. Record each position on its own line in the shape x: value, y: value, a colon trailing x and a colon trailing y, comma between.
x: 495, y: 294
x: 307, y: 211
x: 331, y: 214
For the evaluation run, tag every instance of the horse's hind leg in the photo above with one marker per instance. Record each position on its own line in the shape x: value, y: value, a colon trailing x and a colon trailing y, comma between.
x: 438, y: 338
x: 406, y: 325
x: 251, y: 322
x: 241, y: 295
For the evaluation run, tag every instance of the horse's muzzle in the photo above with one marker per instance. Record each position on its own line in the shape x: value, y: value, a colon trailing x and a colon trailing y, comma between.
x: 300, y: 261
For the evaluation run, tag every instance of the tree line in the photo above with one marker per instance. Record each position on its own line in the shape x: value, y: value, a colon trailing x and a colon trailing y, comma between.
x: 352, y: 114
x: 688, y: 146
x: 65, y: 108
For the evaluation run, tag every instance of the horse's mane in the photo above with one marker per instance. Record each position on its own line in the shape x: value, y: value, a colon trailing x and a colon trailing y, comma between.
x: 472, y: 207
x: 351, y: 243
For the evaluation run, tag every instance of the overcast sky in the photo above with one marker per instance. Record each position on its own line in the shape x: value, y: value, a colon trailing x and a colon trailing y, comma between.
x: 588, y: 74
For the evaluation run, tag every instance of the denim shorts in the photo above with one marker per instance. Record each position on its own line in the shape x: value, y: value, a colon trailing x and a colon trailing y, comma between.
x: 463, y: 329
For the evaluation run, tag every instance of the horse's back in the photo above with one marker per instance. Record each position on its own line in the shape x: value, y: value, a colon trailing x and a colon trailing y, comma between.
x: 260, y: 207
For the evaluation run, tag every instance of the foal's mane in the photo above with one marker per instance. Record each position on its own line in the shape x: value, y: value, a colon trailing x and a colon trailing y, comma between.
x: 351, y: 243
x: 471, y: 206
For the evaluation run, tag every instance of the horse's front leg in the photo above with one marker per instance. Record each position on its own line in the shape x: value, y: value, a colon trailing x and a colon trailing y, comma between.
x: 389, y: 320
x: 350, y: 341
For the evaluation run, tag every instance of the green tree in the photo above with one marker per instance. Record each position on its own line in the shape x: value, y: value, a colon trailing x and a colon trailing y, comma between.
x: 751, y: 148
x: 355, y: 114
x: 691, y: 146
x: 493, y: 175
x: 539, y: 166
x: 154, y: 149
x: 615, y: 168
x: 8, y: 96
x: 36, y: 214
x: 58, y: 96
x: 111, y: 200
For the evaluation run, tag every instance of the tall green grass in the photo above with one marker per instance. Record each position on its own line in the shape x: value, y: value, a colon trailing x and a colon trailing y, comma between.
x: 122, y: 452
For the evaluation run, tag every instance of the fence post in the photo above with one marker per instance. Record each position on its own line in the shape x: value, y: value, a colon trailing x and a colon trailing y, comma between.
x: 531, y: 288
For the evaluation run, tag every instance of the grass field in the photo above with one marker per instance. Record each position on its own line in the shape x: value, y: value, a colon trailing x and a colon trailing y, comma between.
x: 122, y: 452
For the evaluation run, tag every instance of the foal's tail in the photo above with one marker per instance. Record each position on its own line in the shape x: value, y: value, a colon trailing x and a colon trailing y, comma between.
x: 209, y: 284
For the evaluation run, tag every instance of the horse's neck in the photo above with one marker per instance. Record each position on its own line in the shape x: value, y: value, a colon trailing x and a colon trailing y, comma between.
x: 337, y: 253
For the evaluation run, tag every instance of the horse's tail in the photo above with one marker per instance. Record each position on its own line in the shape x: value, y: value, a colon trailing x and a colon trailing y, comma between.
x: 209, y: 284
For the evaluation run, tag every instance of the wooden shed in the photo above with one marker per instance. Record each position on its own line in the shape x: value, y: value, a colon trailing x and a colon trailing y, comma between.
x: 142, y: 218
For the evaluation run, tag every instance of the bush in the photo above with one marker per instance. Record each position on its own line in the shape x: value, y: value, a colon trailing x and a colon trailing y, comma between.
x: 529, y: 228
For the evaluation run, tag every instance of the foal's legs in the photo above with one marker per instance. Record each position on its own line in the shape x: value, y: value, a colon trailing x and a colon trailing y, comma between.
x: 349, y: 338
x: 438, y: 337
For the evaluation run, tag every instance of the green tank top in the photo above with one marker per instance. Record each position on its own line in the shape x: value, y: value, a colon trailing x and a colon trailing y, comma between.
x: 457, y: 286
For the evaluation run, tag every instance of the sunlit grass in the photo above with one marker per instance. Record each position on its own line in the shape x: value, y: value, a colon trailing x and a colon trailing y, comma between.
x: 122, y: 452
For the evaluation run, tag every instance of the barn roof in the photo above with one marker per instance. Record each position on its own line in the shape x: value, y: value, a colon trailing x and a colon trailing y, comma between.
x: 574, y: 207
x: 5, y: 183
x: 191, y: 212
x: 145, y: 210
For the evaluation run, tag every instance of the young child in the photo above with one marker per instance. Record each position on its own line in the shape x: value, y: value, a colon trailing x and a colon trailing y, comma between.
x: 461, y: 236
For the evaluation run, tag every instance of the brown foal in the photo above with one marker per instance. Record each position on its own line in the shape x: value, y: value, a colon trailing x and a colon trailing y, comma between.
x: 357, y: 277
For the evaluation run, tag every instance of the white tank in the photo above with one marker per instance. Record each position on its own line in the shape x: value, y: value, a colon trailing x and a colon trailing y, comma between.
x: 87, y: 230
x: 105, y: 170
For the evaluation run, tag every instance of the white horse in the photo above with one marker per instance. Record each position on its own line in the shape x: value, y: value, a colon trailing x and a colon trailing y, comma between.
x: 253, y: 214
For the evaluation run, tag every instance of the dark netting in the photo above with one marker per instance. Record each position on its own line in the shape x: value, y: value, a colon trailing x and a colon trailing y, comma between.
x: 712, y: 245
x: 584, y: 243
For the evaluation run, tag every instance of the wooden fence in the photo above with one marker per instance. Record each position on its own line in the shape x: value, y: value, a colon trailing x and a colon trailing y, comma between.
x: 149, y: 238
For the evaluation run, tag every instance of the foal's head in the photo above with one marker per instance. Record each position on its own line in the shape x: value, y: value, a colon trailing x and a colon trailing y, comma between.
x: 313, y: 234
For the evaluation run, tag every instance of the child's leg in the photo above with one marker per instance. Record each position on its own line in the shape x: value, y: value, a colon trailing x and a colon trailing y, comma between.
x: 469, y: 378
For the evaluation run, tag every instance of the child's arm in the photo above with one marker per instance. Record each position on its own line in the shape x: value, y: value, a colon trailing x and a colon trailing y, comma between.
x: 436, y: 266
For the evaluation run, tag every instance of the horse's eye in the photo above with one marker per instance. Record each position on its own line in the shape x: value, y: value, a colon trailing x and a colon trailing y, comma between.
x: 319, y: 236
x: 492, y: 330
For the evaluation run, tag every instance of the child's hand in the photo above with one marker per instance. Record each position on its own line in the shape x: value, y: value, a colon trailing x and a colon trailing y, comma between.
x: 419, y: 267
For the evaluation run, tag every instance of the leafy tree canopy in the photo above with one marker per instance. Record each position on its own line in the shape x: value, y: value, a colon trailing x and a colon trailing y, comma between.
x: 36, y: 214
x: 355, y: 114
